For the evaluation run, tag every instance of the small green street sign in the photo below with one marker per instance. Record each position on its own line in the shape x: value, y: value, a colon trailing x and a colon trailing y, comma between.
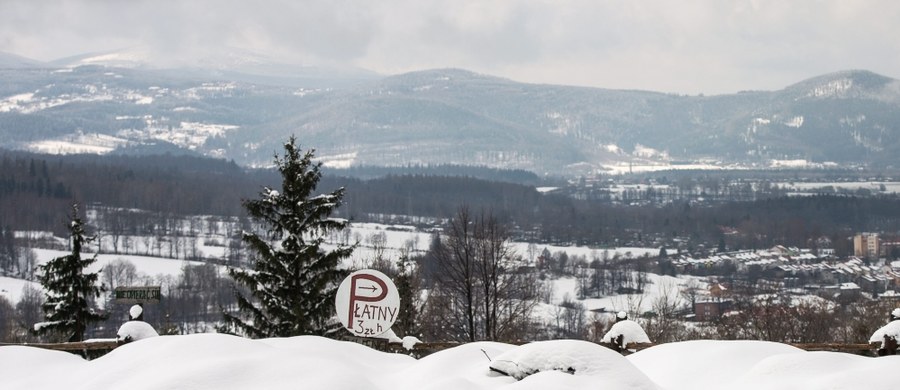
x: 142, y: 294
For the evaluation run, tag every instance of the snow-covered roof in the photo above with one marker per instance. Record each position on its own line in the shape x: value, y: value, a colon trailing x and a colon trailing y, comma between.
x: 775, y: 255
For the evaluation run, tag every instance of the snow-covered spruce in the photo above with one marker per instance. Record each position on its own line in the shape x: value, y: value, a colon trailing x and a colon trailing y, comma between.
x: 294, y: 278
x: 69, y: 289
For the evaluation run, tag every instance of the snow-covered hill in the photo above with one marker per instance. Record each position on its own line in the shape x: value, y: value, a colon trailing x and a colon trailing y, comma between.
x: 12, y: 61
x: 438, y: 116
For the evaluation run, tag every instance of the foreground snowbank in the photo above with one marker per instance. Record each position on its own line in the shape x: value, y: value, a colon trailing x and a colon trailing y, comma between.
x: 220, y: 362
x: 597, y: 366
x: 705, y: 364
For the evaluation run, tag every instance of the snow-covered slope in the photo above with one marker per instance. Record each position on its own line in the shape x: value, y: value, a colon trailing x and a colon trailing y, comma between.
x: 444, y: 116
x: 12, y: 61
x: 710, y: 363
x: 12, y: 288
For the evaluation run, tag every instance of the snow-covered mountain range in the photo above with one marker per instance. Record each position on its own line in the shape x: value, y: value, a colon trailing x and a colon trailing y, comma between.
x: 241, y: 106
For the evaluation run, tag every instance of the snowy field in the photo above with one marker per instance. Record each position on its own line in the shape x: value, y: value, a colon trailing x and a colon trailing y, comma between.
x: 222, y: 362
x: 146, y: 265
x: 387, y: 241
x: 150, y: 270
x: 12, y: 289
x: 402, y: 237
x: 659, y: 289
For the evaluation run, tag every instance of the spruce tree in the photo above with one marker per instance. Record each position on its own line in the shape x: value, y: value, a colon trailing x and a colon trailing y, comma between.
x: 69, y: 289
x: 294, y: 279
x: 407, y: 281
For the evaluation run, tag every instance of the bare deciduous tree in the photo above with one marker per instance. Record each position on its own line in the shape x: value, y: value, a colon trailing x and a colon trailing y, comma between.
x: 119, y: 273
x: 456, y: 279
x: 7, y: 319
x: 479, y: 278
x: 663, y: 324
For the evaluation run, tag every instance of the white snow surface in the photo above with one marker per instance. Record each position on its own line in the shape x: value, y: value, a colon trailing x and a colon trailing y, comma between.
x: 660, y: 288
x: 631, y: 332
x: 398, y: 237
x: 409, y: 342
x: 223, y: 362
x: 739, y: 365
x: 707, y: 364
x: 148, y: 265
x: 135, y: 311
x: 606, y: 368
x: 135, y: 330
x: 11, y: 288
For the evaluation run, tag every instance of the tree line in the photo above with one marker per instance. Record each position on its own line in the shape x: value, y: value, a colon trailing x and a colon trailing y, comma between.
x: 35, y: 191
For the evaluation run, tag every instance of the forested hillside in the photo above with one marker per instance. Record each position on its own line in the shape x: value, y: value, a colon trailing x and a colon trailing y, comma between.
x: 449, y: 116
x: 37, y: 190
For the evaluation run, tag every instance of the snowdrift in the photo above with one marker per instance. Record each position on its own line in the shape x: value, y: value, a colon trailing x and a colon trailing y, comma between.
x: 221, y: 362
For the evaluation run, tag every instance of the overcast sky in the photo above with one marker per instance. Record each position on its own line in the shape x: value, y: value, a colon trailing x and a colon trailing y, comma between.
x: 683, y: 46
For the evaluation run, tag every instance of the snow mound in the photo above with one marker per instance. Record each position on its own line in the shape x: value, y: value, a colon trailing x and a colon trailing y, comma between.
x: 571, y: 357
x: 219, y: 362
x: 134, y: 331
x: 223, y: 362
x: 409, y: 342
x: 630, y: 331
x: 820, y: 370
x: 135, y: 311
x: 705, y: 364
x: 31, y: 368
x: 462, y: 367
x: 892, y: 329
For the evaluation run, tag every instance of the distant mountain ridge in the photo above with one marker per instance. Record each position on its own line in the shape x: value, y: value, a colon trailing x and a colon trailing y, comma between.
x: 231, y: 63
x: 445, y: 116
x: 12, y: 61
